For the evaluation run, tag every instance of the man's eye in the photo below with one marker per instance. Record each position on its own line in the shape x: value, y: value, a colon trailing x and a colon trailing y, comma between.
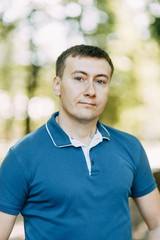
x: 100, y: 82
x: 79, y: 79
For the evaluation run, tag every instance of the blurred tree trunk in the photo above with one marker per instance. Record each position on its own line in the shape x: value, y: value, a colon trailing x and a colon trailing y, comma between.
x: 31, y: 87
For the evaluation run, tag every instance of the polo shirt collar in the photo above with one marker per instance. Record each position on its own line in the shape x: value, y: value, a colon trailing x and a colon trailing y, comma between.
x: 103, y: 130
x: 61, y: 139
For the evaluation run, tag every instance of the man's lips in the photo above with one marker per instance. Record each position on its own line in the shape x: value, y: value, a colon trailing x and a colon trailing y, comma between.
x: 87, y: 104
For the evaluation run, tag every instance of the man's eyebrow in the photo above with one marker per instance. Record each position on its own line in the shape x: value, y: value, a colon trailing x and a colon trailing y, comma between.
x: 98, y: 75
x: 79, y: 72
x: 102, y: 75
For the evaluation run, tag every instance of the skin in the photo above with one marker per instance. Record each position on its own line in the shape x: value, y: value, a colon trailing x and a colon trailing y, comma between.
x: 83, y: 92
x: 149, y: 207
x: 6, y: 225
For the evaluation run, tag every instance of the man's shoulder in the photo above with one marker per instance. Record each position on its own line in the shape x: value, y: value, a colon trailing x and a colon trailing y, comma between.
x: 31, y: 140
x: 120, y: 135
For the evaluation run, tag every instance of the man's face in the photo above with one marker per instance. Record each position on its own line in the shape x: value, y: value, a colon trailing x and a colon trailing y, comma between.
x: 84, y: 88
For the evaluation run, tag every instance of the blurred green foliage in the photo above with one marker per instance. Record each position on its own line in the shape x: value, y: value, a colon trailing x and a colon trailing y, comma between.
x: 107, y: 24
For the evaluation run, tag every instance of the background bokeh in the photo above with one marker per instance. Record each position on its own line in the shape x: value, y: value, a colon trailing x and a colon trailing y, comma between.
x: 34, y: 32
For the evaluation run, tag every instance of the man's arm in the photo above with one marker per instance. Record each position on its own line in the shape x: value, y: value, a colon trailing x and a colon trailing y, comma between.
x: 6, y: 225
x: 149, y: 207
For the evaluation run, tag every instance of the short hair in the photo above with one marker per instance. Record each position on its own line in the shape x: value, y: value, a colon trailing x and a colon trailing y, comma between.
x: 83, y: 51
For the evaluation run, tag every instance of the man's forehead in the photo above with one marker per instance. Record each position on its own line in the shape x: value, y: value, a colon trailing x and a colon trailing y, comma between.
x: 87, y: 64
x: 73, y: 59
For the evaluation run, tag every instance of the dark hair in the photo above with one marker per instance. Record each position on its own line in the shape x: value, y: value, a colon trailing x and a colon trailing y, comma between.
x: 81, y: 50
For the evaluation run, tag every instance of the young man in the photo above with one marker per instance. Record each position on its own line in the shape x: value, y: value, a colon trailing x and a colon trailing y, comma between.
x: 72, y: 177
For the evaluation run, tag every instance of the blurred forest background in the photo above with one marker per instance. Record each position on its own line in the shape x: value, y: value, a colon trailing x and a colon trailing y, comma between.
x: 34, y: 32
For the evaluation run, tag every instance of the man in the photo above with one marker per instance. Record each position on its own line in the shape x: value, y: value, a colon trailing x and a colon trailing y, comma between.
x: 72, y: 177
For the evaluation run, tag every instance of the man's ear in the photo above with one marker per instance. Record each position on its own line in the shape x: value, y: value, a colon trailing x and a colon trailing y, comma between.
x: 57, y: 86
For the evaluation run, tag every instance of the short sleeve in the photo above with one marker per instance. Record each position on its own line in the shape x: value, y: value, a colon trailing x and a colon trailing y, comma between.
x: 13, y: 185
x: 144, y: 181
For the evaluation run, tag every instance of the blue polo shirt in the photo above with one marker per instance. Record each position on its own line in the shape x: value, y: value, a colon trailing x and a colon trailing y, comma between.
x: 46, y: 178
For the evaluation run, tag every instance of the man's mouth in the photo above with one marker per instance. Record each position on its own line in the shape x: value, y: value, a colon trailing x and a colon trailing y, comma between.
x: 88, y: 104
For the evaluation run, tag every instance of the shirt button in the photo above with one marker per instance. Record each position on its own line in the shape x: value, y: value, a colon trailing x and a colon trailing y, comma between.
x: 92, y: 162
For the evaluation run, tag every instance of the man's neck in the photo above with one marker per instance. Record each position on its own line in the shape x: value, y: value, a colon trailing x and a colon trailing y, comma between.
x: 80, y: 130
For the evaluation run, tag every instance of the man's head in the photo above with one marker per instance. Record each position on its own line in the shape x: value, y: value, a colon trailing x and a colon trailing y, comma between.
x: 81, y: 51
x: 82, y: 82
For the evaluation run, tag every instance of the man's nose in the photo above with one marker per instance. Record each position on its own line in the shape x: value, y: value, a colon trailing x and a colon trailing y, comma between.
x: 90, y: 89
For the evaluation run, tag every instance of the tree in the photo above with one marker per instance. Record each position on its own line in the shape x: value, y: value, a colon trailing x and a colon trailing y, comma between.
x: 40, y: 16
